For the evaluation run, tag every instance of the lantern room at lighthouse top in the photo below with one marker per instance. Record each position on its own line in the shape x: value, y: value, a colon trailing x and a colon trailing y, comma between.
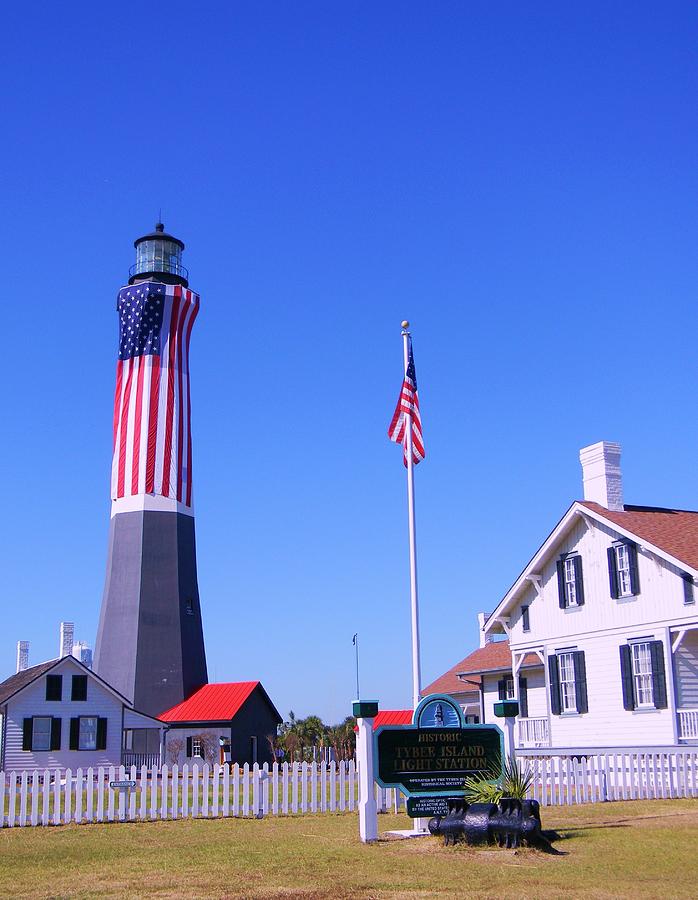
x: 159, y: 257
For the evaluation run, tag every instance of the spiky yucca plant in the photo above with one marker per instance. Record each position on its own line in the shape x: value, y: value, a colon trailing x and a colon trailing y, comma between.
x: 490, y: 787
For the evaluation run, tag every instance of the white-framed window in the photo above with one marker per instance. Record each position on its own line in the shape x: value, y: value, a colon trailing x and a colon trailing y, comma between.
x: 196, y: 747
x: 525, y: 618
x: 41, y: 733
x: 570, y: 582
x: 642, y: 674
x: 568, y: 698
x: 87, y: 736
x: 509, y: 688
x: 625, y: 588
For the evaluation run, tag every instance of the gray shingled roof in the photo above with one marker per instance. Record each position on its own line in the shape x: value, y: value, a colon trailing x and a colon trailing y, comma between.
x: 16, y: 682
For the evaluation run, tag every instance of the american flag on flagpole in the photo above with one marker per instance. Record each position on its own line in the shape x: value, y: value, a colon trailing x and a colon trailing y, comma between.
x: 407, y: 415
x: 152, y: 407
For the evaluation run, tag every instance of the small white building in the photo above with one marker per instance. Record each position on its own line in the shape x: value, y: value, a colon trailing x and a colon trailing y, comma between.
x: 602, y: 625
x: 60, y: 714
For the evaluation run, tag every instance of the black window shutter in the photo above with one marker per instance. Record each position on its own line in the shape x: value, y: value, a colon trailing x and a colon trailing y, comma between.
x: 613, y: 573
x: 554, y: 673
x: 561, y: 583
x: 579, y: 581
x: 101, y: 734
x: 74, y: 733
x: 634, y: 572
x: 27, y: 734
x: 79, y: 688
x: 502, y: 688
x: 54, y: 687
x: 626, y: 677
x: 658, y: 675
x: 189, y: 747
x: 55, y: 733
x: 580, y: 682
x: 688, y: 589
x: 523, y: 698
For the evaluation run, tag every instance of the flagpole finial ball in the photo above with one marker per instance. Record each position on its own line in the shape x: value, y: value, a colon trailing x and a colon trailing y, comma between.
x: 405, y: 323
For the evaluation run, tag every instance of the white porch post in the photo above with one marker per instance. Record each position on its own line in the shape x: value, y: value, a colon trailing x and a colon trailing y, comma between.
x: 671, y: 686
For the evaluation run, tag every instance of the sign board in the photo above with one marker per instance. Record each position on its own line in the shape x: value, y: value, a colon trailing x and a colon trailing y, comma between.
x: 423, y: 807
x: 433, y: 756
x: 122, y: 784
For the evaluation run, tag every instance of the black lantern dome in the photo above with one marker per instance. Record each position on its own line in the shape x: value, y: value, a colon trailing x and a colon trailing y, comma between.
x: 159, y: 258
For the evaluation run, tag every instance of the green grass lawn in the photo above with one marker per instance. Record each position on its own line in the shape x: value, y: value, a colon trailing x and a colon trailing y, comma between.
x: 633, y: 849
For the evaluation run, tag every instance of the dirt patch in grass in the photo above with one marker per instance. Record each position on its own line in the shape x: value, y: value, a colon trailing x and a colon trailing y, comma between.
x: 641, y: 849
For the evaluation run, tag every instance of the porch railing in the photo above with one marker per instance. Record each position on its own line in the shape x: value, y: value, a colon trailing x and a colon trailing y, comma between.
x: 688, y: 724
x: 532, y: 733
x: 140, y: 759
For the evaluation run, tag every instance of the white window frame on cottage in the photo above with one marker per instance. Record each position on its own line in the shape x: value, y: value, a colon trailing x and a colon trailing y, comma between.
x: 625, y: 581
x: 196, y: 748
x: 87, y: 734
x: 643, y: 687
x: 41, y: 737
x: 570, y: 582
x: 568, y: 692
x: 509, y: 687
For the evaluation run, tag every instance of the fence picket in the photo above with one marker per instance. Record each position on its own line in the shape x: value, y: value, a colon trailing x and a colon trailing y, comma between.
x: 175, y: 791
x: 312, y: 771
x: 294, y: 789
x: 143, y: 788
x: 185, y: 791
x: 352, y: 785
x: 11, y: 808
x: 246, y: 790
x: 45, y: 798
x: 333, y: 786
x: 132, y: 795
x: 2, y: 799
x: 78, y: 796
x: 154, y: 793
x: 284, y: 789
x: 275, y: 789
x: 35, y: 797
x: 304, y: 787
x: 195, y: 790
x: 216, y: 790
x: 164, y: 791
x: 226, y: 790
x: 68, y: 794
x: 256, y: 804
x: 205, y: 784
x: 236, y: 790
x: 265, y: 789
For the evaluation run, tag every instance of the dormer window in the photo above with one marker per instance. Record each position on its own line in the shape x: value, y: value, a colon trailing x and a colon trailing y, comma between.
x: 570, y: 582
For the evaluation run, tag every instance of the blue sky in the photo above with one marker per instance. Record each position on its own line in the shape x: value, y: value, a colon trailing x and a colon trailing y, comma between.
x: 518, y: 180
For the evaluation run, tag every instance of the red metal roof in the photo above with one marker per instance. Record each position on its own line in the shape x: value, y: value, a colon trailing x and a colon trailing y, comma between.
x: 673, y: 530
x: 391, y: 717
x: 212, y: 703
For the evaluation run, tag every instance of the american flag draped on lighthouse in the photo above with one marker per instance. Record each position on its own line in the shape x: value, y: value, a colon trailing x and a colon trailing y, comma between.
x: 152, y: 407
x: 407, y: 415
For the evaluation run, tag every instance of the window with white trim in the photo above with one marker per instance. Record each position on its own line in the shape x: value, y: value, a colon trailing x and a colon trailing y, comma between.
x: 622, y: 552
x: 196, y: 747
x: 509, y: 687
x: 570, y: 582
x: 568, y: 698
x: 87, y: 735
x: 525, y: 618
x: 41, y: 733
x: 642, y: 675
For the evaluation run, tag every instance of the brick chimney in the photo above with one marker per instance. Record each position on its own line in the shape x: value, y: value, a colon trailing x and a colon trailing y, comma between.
x: 601, y: 474
x: 22, y: 655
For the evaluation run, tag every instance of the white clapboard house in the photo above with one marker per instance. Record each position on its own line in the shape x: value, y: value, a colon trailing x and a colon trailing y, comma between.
x: 607, y: 608
x: 60, y: 714
x: 600, y: 628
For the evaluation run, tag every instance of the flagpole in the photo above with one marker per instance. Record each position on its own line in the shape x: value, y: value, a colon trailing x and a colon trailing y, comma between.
x: 414, y: 606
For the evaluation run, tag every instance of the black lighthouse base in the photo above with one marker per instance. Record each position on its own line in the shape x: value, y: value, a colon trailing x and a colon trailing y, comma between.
x: 150, y: 643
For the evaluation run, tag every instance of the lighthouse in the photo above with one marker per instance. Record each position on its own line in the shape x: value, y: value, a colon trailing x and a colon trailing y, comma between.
x: 150, y: 644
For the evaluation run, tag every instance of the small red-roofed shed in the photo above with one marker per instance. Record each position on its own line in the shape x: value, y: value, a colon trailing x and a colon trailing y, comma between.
x: 230, y: 722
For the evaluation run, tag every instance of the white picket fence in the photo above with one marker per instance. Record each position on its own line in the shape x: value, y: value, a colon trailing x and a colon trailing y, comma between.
x: 59, y: 797
x: 617, y: 774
